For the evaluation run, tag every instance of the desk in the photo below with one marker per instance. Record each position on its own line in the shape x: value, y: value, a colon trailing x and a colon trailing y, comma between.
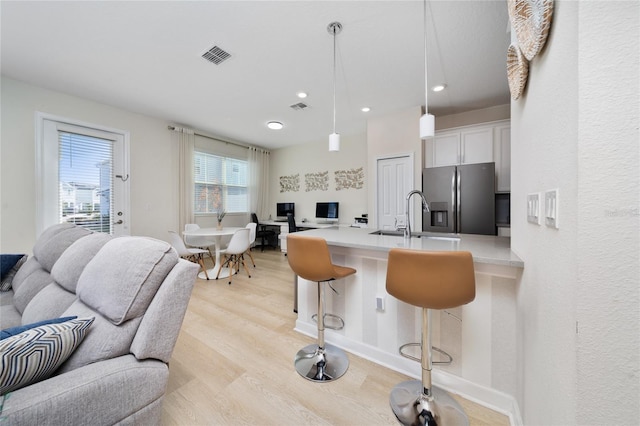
x: 284, y: 229
x: 217, y: 235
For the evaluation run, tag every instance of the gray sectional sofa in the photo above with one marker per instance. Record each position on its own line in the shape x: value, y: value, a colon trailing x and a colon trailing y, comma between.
x: 137, y: 289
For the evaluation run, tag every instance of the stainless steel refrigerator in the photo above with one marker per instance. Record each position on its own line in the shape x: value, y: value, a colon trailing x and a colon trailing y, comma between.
x: 461, y: 199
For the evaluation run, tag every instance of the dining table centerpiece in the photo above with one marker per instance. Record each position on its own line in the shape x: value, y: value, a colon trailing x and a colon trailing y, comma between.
x: 221, y: 214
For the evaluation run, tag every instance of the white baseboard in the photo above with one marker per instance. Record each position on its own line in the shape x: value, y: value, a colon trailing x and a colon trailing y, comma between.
x: 485, y: 396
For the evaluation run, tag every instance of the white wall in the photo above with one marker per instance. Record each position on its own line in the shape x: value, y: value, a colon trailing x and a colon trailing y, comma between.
x: 395, y: 134
x: 608, y: 301
x: 153, y: 162
x: 315, y: 158
x: 478, y: 116
x: 576, y: 129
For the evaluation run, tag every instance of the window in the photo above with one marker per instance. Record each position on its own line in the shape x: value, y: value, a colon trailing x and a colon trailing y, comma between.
x: 85, y: 180
x: 220, y: 184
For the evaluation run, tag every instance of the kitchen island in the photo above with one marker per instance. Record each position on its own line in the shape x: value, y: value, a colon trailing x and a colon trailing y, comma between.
x: 480, y: 336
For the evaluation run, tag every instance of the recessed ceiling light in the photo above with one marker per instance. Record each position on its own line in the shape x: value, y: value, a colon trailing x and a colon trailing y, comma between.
x: 439, y: 87
x: 275, y: 125
x: 302, y: 95
x: 366, y: 109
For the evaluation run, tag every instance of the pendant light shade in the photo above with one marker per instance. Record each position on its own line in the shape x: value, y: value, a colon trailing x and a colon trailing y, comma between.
x: 334, y: 142
x: 427, y: 126
x: 427, y: 121
x: 334, y: 29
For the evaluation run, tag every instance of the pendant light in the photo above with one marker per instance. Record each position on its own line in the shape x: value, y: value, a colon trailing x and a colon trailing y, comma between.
x: 427, y: 121
x: 334, y: 29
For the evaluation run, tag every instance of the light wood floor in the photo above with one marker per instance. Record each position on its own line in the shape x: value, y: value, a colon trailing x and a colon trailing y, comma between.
x: 233, y: 362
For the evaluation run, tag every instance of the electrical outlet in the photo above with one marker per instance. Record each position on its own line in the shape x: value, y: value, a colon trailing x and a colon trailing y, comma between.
x: 380, y: 303
x: 533, y: 208
x: 551, y: 206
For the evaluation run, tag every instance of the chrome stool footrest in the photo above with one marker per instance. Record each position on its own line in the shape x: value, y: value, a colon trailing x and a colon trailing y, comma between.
x: 331, y: 317
x: 440, y: 351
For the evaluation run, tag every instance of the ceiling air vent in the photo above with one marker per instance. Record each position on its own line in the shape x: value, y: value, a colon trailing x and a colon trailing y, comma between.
x: 216, y: 55
x: 299, y: 106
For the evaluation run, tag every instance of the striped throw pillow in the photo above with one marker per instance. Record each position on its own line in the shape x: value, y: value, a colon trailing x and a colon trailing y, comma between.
x: 34, y: 355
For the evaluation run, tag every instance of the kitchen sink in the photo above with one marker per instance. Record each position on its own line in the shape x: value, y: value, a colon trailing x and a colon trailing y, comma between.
x: 429, y: 235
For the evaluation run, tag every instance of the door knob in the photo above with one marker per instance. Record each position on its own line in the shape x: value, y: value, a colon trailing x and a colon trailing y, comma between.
x: 118, y: 222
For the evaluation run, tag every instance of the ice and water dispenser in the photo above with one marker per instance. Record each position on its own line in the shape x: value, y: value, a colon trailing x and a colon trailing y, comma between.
x: 439, y: 214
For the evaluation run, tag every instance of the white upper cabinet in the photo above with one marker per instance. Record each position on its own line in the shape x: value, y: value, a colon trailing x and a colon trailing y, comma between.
x: 446, y: 149
x: 481, y: 143
x: 476, y: 146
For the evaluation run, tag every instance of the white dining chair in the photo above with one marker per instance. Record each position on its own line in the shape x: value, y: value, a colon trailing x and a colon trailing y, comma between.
x: 196, y: 241
x: 191, y: 254
x: 238, y: 244
x: 251, y: 226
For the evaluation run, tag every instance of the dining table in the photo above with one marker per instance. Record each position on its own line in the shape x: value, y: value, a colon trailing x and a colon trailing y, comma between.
x: 216, y: 235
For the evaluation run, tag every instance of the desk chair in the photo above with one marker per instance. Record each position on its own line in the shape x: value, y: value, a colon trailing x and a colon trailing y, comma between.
x: 310, y: 259
x: 429, y: 280
x: 292, y: 223
x: 191, y: 254
x: 263, y: 233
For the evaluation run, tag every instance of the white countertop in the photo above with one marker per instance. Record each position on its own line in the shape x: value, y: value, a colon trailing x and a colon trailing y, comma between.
x: 484, y: 248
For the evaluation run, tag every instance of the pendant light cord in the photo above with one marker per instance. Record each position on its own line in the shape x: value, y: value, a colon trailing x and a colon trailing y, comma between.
x: 426, y: 86
x: 334, y: 79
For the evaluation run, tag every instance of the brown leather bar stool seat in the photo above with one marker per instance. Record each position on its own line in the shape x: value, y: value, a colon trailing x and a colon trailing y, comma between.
x: 429, y: 280
x: 310, y: 259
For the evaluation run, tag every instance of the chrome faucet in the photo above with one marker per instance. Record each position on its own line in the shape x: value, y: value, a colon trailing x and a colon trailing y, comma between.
x: 425, y: 207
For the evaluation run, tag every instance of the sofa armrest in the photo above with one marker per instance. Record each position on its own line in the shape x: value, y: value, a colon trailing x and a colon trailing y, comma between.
x: 104, y: 392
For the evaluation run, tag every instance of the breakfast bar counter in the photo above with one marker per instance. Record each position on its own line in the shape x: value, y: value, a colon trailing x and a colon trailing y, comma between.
x: 480, y: 336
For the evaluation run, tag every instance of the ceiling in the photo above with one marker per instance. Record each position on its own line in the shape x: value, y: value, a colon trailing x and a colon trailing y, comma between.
x: 146, y: 57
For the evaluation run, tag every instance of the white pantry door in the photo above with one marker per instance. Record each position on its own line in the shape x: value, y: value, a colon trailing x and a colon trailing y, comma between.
x: 394, y: 182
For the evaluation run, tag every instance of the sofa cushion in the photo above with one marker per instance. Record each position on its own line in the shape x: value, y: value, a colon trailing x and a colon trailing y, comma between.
x: 54, y: 241
x: 12, y: 331
x: 122, y: 278
x: 28, y: 268
x: 105, y: 341
x: 50, y: 302
x: 35, y: 354
x: 66, y: 271
x: 9, y: 265
x: 37, y: 279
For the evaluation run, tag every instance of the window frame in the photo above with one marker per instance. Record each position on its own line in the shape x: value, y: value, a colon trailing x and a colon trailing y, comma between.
x: 203, y: 152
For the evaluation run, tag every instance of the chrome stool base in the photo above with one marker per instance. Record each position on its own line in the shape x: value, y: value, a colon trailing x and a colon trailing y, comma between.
x: 321, y: 365
x: 412, y: 407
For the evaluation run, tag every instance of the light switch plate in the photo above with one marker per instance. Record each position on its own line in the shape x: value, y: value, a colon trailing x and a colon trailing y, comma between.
x: 551, y: 208
x: 533, y: 208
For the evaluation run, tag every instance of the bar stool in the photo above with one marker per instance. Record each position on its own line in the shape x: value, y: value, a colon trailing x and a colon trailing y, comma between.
x: 310, y: 259
x: 430, y: 280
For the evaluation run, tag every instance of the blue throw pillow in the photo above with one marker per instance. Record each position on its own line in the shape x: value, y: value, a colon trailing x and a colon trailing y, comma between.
x: 8, y: 332
x: 7, y: 262
x: 9, y: 265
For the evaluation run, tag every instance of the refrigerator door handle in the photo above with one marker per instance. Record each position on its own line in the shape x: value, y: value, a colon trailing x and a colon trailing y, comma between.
x: 454, y: 206
x: 458, y: 201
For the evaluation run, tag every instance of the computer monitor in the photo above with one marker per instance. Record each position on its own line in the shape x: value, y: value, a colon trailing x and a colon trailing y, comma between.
x: 327, y: 212
x: 283, y: 208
